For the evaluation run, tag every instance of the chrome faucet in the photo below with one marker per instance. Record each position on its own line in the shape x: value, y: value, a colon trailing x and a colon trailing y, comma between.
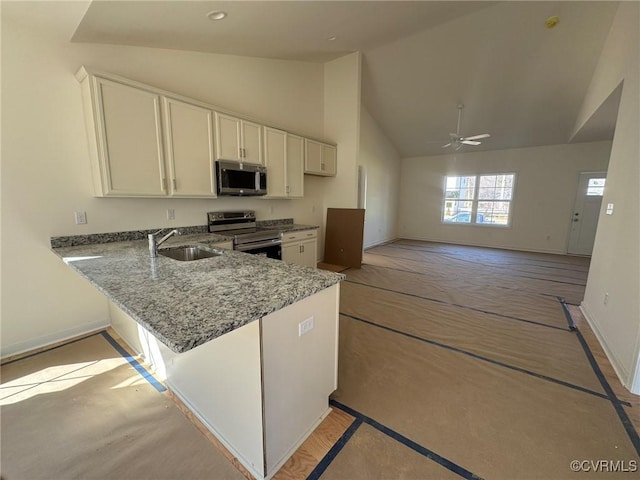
x: 153, y: 244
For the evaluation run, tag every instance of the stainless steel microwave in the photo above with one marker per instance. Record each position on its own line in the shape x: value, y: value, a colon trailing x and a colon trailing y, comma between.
x: 240, y: 179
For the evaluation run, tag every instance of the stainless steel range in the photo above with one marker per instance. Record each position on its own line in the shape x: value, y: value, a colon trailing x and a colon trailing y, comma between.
x: 247, y: 237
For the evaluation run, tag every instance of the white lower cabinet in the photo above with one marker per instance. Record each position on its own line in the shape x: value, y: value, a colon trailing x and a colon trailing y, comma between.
x: 261, y: 389
x: 300, y: 248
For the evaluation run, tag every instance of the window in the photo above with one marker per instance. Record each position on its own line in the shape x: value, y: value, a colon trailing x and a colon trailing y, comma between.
x: 595, y: 187
x: 479, y: 199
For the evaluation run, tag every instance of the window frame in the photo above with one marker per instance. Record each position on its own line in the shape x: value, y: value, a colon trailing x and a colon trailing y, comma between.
x: 475, y: 200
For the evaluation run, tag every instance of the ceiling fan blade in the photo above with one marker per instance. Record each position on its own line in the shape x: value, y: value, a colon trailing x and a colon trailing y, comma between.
x: 447, y: 145
x: 477, y: 137
x: 470, y: 142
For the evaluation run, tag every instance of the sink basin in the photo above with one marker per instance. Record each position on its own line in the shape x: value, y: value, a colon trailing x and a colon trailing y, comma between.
x: 188, y: 253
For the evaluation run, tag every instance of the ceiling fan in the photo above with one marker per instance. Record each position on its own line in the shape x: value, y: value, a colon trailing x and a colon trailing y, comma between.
x: 457, y: 141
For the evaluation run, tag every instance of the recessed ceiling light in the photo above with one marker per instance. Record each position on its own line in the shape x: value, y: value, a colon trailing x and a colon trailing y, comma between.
x: 332, y: 38
x: 216, y: 15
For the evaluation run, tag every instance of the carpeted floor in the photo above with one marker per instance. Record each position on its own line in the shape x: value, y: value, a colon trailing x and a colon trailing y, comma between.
x: 460, y: 360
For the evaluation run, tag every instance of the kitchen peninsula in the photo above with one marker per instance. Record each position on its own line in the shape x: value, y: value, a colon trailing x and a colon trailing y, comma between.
x: 248, y: 343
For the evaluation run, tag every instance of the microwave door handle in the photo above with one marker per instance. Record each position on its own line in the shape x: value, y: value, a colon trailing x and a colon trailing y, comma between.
x: 257, y: 180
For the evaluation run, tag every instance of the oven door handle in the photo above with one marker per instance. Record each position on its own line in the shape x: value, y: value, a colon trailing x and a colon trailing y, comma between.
x: 252, y: 246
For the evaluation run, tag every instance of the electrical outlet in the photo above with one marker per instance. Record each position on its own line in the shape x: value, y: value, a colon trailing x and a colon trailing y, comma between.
x: 171, y: 214
x: 305, y: 326
x: 80, y: 218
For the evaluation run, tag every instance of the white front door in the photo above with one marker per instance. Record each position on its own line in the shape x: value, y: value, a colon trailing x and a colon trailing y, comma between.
x: 586, y: 210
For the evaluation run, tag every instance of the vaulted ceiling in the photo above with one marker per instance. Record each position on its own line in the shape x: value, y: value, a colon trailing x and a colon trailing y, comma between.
x: 519, y: 81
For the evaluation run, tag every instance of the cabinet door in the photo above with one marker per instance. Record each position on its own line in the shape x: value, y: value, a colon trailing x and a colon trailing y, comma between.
x: 308, y: 253
x: 131, y: 146
x: 295, y: 166
x: 313, y: 156
x: 275, y: 142
x: 189, y: 138
x: 227, y: 137
x: 291, y: 253
x: 328, y: 164
x: 251, y: 142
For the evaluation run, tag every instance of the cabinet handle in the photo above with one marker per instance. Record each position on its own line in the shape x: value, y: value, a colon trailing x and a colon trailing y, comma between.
x: 163, y: 184
x: 287, y: 189
x: 175, y: 185
x: 301, y: 248
x: 309, y: 234
x: 322, y: 166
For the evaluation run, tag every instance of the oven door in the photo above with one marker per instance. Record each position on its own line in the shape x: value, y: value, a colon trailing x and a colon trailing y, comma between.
x: 269, y: 249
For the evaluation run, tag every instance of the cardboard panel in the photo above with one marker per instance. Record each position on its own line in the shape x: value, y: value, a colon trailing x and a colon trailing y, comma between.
x: 344, y: 236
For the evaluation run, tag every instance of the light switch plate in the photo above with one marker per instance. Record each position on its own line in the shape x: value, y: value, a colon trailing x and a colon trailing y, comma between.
x: 609, y: 209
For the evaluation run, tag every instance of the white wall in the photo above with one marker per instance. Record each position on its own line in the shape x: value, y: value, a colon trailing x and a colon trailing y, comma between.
x: 382, y: 163
x: 615, y: 264
x: 546, y: 182
x: 46, y: 173
x: 342, y: 126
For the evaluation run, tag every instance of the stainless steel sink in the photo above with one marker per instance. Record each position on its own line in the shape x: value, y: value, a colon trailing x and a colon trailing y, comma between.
x: 188, y: 253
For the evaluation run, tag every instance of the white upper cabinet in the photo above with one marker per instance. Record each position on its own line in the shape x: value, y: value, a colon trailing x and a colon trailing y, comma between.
x: 189, y: 147
x: 320, y: 158
x: 238, y: 139
x: 275, y: 152
x: 147, y: 142
x: 295, y: 166
x: 227, y: 137
x: 125, y: 138
x: 251, y: 138
x: 283, y: 157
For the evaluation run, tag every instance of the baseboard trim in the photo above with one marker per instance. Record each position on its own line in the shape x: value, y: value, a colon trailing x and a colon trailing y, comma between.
x: 383, y: 242
x: 497, y: 247
x: 618, y: 367
x: 22, y: 349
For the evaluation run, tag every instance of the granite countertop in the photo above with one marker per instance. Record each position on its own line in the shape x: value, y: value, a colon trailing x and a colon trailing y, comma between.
x: 185, y: 304
x: 294, y: 227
